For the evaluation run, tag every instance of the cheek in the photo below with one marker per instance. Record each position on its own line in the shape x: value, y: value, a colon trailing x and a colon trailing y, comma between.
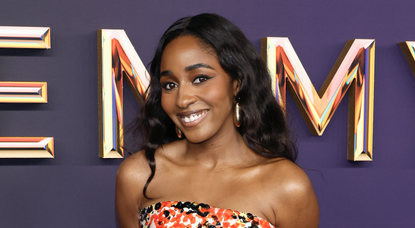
x: 166, y: 103
x: 220, y: 95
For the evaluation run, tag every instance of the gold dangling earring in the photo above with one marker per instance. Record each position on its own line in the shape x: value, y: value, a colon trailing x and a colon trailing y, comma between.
x: 237, y: 116
x: 178, y: 132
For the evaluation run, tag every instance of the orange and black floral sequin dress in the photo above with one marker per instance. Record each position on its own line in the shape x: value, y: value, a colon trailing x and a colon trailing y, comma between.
x: 193, y: 215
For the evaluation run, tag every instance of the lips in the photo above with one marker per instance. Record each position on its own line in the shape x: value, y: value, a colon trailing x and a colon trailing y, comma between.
x: 192, y: 118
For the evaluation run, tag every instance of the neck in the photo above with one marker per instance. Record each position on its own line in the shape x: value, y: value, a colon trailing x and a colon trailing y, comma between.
x: 225, y: 148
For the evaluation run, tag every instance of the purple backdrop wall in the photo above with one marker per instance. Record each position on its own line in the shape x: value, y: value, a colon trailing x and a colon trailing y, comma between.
x: 76, y: 189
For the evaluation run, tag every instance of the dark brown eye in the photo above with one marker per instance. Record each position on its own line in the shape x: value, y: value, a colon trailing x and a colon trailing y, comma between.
x: 201, y: 79
x: 169, y: 85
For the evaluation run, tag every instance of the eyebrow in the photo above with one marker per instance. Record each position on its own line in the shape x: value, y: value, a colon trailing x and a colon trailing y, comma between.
x: 188, y: 68
x: 196, y: 66
x: 166, y: 73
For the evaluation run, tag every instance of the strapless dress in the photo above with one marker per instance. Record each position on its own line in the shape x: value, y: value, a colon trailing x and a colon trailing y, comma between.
x: 196, y: 215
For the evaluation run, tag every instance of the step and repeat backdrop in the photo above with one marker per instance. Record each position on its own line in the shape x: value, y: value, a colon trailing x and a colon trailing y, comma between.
x: 73, y: 76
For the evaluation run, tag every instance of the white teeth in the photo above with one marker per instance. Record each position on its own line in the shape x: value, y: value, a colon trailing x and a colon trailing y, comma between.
x: 193, y: 117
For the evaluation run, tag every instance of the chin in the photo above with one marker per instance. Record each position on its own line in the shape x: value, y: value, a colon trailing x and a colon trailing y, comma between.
x: 196, y: 138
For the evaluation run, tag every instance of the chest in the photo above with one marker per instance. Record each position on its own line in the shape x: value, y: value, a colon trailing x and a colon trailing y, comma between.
x: 241, y: 190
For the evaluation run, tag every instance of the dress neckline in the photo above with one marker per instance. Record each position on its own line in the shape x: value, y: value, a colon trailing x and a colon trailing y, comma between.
x: 225, y: 209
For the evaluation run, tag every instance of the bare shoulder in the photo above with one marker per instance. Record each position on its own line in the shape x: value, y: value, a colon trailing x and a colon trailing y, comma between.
x: 131, y: 178
x: 291, y: 194
x: 134, y: 169
x: 289, y: 179
x: 134, y: 161
x: 288, y: 174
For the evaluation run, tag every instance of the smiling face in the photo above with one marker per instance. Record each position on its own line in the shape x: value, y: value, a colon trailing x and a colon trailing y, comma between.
x: 198, y: 95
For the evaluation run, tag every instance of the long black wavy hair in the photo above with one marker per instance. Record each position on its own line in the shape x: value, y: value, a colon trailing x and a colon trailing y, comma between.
x: 263, y: 127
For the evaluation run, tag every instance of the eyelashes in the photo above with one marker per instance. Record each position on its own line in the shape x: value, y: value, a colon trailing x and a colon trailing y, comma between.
x: 200, y: 79
x: 169, y: 85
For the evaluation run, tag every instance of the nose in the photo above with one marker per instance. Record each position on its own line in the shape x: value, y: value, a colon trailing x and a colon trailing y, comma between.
x: 185, y: 96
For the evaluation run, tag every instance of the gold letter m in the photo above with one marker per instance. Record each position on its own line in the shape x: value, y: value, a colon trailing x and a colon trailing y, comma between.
x: 354, y: 70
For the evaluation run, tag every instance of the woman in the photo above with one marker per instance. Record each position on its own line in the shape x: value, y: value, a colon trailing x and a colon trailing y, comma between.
x: 214, y: 135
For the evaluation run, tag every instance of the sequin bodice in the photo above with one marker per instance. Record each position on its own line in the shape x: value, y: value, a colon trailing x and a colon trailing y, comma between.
x: 194, y: 215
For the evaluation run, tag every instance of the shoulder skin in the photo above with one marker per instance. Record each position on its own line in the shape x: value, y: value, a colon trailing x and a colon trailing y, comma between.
x: 131, y: 178
x: 291, y: 195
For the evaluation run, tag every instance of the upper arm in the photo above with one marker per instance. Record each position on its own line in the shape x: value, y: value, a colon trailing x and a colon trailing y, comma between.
x: 297, y: 205
x: 131, y: 177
